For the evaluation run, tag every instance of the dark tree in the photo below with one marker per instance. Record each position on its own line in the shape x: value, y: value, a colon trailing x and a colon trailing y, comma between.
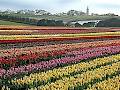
x: 42, y: 22
x: 112, y: 22
x: 45, y: 22
x: 59, y: 23
x: 89, y: 24
x: 78, y: 25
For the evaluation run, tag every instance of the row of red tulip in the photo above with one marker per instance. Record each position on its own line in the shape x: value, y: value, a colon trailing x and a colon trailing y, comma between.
x: 16, y: 61
x: 17, y: 52
x: 31, y: 54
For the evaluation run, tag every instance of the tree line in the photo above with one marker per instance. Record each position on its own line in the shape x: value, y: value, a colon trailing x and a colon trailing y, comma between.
x: 18, y: 19
x: 31, y: 21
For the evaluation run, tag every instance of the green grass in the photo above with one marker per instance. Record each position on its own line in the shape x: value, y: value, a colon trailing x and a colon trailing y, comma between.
x: 10, y: 23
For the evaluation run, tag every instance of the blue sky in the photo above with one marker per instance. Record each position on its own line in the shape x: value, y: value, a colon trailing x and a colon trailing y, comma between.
x: 56, y: 6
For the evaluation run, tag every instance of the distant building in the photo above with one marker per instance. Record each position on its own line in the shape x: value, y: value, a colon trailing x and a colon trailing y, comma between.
x: 87, y: 11
x: 61, y: 14
x: 41, y: 12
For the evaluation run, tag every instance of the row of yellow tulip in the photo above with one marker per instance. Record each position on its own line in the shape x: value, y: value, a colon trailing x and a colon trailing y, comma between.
x: 81, y: 79
x: 110, y: 84
x: 5, y: 88
x: 91, y: 34
x: 17, y: 37
x: 56, y: 73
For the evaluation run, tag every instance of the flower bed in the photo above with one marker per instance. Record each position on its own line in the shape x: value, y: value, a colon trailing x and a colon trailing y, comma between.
x: 77, y: 56
x: 30, y: 56
x: 75, y: 66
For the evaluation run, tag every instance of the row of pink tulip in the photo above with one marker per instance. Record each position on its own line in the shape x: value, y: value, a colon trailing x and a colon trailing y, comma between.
x: 78, y: 55
x: 91, y: 50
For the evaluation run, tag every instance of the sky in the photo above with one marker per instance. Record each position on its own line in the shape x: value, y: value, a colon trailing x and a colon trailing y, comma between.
x: 57, y: 6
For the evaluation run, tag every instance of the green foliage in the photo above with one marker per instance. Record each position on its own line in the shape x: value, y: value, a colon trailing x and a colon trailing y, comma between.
x: 89, y: 24
x: 18, y: 19
x: 112, y: 22
x: 46, y: 22
x: 78, y: 25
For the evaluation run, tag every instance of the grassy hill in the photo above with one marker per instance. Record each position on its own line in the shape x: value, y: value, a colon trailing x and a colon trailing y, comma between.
x: 52, y: 17
x: 65, y: 18
x: 72, y: 18
x: 10, y: 23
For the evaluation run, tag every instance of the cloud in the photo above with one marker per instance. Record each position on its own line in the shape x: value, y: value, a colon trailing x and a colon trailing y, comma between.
x: 97, y: 6
x: 67, y: 1
x: 13, y: 4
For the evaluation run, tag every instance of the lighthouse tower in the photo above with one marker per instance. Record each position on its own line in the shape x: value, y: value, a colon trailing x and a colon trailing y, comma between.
x: 87, y: 11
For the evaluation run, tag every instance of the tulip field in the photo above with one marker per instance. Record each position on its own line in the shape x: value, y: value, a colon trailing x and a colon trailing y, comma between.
x: 49, y: 58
